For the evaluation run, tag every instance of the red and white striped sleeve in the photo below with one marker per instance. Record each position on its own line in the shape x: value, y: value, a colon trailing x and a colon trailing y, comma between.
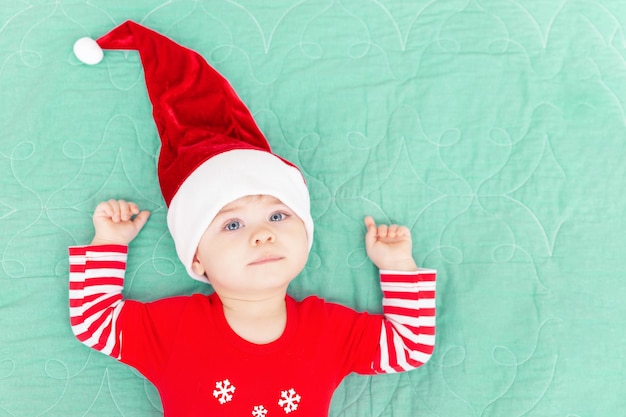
x: 95, y: 287
x: 407, y: 338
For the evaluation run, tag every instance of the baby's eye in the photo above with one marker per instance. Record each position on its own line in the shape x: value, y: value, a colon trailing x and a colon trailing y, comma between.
x: 232, y: 225
x: 278, y: 216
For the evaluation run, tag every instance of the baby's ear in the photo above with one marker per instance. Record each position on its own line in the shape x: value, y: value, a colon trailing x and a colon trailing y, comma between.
x: 196, y: 266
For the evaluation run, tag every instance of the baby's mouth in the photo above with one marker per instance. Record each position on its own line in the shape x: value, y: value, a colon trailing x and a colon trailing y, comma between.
x: 266, y: 259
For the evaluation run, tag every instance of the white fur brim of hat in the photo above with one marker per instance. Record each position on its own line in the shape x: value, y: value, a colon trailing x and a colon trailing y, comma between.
x: 223, y: 179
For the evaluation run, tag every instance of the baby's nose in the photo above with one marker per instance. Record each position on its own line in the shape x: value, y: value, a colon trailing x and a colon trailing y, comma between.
x: 263, y: 235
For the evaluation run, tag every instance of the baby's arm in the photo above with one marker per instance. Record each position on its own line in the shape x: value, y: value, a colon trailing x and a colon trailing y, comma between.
x: 408, y: 332
x: 97, y: 276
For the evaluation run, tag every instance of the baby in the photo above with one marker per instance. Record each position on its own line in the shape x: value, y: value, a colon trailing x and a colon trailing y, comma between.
x: 248, y: 348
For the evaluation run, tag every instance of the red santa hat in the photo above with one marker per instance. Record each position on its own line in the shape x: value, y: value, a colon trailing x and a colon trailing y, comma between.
x: 212, y: 151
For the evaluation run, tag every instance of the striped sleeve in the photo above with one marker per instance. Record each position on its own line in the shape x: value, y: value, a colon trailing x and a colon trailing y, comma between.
x: 95, y: 295
x: 407, y: 336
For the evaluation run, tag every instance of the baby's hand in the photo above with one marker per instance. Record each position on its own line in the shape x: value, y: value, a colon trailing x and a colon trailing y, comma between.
x: 117, y: 222
x: 389, y: 247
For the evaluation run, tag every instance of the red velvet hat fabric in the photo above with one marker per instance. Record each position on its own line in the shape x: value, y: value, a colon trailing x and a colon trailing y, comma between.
x: 197, y: 113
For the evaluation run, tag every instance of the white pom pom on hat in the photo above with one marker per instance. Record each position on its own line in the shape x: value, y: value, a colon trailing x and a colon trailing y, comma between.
x: 212, y: 152
x: 88, y: 51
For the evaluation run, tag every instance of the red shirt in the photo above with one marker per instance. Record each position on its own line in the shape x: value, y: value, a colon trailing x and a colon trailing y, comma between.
x: 185, y: 347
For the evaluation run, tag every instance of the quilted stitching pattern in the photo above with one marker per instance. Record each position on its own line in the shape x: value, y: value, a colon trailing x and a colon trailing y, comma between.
x: 495, y: 129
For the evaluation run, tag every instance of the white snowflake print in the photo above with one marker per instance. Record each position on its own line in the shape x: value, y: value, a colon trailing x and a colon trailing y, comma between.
x: 224, y: 391
x: 259, y: 411
x: 289, y: 400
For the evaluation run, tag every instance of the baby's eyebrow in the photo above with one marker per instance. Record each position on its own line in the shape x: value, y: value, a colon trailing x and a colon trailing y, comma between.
x: 230, y: 208
x: 227, y: 210
x: 223, y: 215
x: 281, y: 206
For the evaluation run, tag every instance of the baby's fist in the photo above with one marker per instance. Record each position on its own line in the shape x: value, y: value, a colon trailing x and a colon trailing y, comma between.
x: 389, y: 246
x: 117, y: 222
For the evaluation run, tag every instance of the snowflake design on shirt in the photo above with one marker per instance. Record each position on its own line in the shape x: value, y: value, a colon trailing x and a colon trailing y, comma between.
x: 289, y: 400
x: 259, y: 411
x: 224, y: 391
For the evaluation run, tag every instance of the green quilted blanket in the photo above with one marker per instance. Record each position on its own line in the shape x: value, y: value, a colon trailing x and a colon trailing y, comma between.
x: 495, y: 129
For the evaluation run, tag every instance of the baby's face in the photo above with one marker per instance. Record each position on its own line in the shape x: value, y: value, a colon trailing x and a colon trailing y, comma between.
x: 255, y: 245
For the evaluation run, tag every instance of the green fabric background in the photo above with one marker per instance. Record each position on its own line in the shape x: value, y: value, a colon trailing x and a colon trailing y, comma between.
x: 495, y: 129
